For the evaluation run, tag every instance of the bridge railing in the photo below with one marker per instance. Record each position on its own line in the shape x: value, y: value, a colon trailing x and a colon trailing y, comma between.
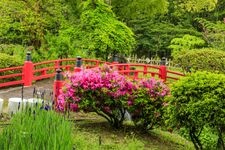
x: 30, y: 72
x: 11, y: 76
x: 139, y: 71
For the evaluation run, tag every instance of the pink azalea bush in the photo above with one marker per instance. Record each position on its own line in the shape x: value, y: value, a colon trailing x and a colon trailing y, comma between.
x: 146, y: 105
x: 110, y: 94
x: 103, y: 91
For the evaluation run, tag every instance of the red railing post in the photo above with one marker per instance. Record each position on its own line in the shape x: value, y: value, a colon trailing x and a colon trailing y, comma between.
x: 58, y: 83
x: 28, y: 70
x: 127, y: 68
x: 162, y: 73
x: 136, y: 75
x: 57, y: 64
x: 77, y: 68
x: 97, y: 63
x: 145, y: 69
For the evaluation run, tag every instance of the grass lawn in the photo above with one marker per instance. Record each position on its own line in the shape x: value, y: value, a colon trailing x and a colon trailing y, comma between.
x: 93, y: 132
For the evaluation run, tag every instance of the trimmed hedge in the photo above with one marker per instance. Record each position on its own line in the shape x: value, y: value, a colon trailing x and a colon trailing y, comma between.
x: 202, y: 59
x: 197, y: 104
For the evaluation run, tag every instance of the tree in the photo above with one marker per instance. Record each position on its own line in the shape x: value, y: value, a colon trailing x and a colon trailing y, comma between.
x: 134, y: 9
x: 194, y: 6
x: 214, y: 33
x: 187, y: 42
x: 99, y: 31
x: 27, y: 22
x: 153, y: 37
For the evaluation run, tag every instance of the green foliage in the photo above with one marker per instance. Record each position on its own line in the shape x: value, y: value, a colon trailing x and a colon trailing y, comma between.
x: 9, y: 61
x: 153, y: 38
x: 15, y: 50
x: 136, y: 9
x: 101, y: 33
x: 187, y: 42
x: 26, y: 22
x: 214, y: 33
x: 196, y: 6
x: 198, y: 101
x: 65, y: 44
x: 208, y: 137
x: 202, y: 59
x: 37, y: 129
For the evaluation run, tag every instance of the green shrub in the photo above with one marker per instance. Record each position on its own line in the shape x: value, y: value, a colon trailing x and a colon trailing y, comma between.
x: 12, y: 49
x: 9, y: 61
x: 197, y: 102
x: 37, y: 129
x: 146, y: 106
x: 187, y: 42
x: 208, y: 137
x: 202, y: 59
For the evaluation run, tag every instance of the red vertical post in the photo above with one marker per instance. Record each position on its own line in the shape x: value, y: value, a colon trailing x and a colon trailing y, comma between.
x: 77, y: 68
x: 127, y: 69
x: 136, y: 74
x: 97, y: 63
x: 162, y: 73
x: 57, y: 64
x: 58, y: 83
x: 28, y: 70
x: 145, y: 69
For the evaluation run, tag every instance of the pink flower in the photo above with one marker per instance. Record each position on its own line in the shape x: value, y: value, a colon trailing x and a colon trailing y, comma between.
x: 107, y: 109
x: 129, y: 103
x: 74, y: 107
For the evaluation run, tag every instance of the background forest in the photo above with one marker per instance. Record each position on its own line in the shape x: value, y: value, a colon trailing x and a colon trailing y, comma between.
x: 53, y: 29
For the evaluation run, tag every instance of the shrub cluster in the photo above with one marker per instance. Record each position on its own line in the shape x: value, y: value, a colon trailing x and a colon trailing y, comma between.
x: 9, y: 61
x: 197, y: 105
x: 110, y: 94
x: 202, y: 60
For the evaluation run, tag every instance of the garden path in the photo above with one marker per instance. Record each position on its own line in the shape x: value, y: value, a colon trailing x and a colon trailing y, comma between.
x: 16, y: 91
x: 7, y: 93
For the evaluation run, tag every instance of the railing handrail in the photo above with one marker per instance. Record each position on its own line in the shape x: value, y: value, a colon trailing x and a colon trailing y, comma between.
x: 11, y: 68
x: 38, y: 72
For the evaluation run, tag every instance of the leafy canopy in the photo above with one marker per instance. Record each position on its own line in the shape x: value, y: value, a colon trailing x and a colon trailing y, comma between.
x: 187, y: 42
x: 26, y: 22
x: 134, y: 9
x: 196, y: 5
x: 101, y: 33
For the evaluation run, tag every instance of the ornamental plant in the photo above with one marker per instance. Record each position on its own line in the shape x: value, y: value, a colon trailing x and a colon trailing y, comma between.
x: 207, y: 59
x: 146, y: 105
x: 196, y: 104
x: 103, y: 91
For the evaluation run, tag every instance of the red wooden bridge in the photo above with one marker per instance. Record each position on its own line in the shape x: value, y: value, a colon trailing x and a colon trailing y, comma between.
x: 31, y: 72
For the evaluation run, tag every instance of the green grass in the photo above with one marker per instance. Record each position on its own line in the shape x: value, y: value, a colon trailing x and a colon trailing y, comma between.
x: 92, y: 132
